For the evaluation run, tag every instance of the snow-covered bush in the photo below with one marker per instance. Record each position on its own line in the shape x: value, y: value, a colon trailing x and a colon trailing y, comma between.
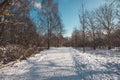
x: 10, y: 53
x: 14, y: 52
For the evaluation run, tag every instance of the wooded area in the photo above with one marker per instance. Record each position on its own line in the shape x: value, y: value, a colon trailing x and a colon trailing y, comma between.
x: 22, y: 35
x: 99, y: 28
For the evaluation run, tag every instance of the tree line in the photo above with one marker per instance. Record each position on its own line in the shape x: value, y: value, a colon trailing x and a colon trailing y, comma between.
x: 16, y: 26
x: 99, y: 28
x: 23, y: 34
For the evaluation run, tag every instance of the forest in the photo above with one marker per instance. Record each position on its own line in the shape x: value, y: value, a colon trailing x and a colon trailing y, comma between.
x: 22, y: 35
x: 34, y: 44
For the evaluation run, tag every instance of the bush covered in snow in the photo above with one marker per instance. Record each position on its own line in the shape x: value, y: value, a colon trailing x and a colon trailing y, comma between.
x: 13, y: 52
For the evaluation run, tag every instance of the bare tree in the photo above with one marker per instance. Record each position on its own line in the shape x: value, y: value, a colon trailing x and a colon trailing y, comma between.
x: 58, y: 30
x: 76, y: 37
x: 105, y: 16
x: 91, y: 21
x: 82, y: 18
x: 16, y: 26
x: 50, y: 20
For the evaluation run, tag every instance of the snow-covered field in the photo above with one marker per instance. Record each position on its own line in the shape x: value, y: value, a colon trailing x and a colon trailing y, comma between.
x: 64, y: 64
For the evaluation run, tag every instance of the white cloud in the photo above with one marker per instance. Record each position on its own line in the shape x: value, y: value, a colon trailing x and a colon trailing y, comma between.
x: 37, y: 5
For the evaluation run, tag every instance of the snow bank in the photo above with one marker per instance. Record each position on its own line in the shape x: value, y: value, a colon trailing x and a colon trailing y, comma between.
x: 19, y: 70
x: 96, y: 67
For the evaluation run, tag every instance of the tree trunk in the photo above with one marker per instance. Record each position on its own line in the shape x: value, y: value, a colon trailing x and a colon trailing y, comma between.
x: 109, y: 40
x: 1, y: 32
x: 83, y: 41
x: 48, y: 39
x: 94, y: 42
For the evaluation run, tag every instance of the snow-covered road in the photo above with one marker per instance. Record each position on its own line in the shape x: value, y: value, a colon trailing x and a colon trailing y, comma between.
x: 55, y: 64
x: 64, y: 64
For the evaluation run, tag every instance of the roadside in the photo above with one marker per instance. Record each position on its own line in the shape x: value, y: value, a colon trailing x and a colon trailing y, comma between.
x: 64, y: 64
x: 91, y: 66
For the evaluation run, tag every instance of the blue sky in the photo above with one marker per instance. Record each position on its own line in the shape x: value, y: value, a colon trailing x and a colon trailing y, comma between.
x: 69, y: 10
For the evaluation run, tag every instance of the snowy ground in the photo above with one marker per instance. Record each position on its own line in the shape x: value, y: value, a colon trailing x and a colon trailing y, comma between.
x: 64, y: 64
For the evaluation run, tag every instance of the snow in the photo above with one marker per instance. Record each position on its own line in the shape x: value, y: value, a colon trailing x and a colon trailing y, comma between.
x: 64, y: 64
x: 37, y: 5
x: 97, y: 67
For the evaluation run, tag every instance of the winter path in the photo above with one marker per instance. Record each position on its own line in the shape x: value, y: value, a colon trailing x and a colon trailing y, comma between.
x: 55, y: 64
x: 64, y: 64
